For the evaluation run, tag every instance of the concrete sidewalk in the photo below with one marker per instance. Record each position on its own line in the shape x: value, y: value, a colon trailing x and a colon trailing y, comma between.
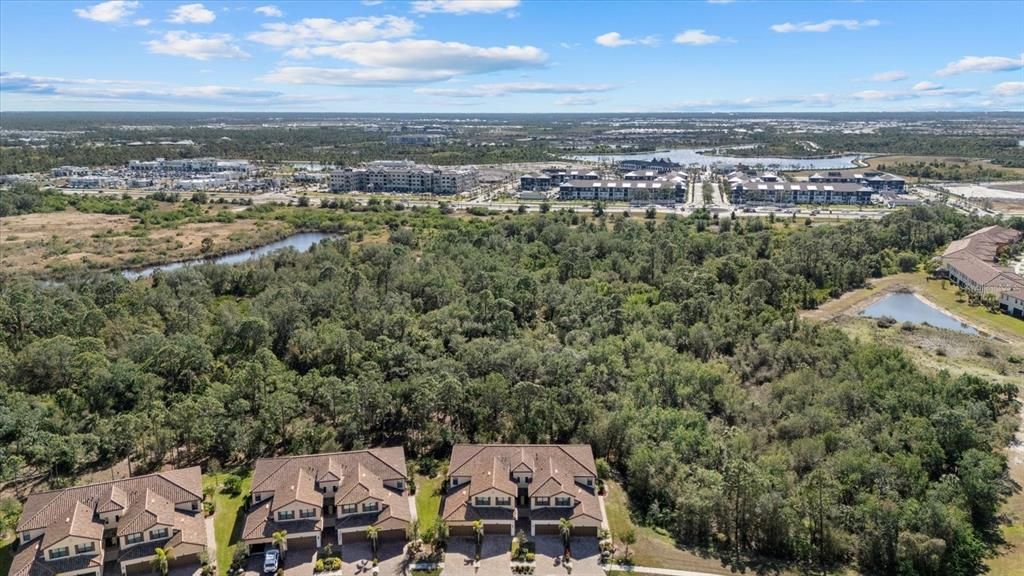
x: 655, y: 571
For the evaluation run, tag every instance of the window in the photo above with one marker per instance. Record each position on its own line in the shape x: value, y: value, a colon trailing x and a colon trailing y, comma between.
x: 542, y: 501
x: 481, y: 501
x: 195, y: 506
x: 348, y: 508
x: 83, y: 548
x: 400, y: 485
x: 133, y: 538
x: 370, y: 506
x: 286, y: 515
x: 310, y: 513
x: 334, y: 488
x: 58, y: 553
x: 590, y: 481
x: 158, y: 534
x: 502, y: 501
x: 259, y: 497
x: 563, y: 501
x: 26, y: 536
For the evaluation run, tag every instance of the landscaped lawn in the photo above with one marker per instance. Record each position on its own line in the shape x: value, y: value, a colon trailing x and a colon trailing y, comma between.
x: 229, y: 516
x: 428, y: 499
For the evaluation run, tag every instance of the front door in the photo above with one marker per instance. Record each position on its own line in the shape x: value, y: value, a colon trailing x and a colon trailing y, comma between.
x: 522, y: 497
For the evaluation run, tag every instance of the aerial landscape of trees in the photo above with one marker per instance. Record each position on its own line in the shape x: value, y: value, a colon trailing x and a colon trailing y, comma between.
x: 673, y: 347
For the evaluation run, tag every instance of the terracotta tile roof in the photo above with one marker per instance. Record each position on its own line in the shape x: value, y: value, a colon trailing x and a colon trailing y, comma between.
x: 144, y: 513
x: 28, y: 561
x: 386, y: 463
x: 259, y: 524
x: 984, y: 243
x: 44, y: 508
x: 553, y: 468
x: 296, y: 486
x: 78, y: 522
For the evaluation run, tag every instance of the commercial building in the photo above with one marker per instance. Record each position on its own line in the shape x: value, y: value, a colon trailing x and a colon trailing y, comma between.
x: 65, y: 171
x: 972, y: 262
x: 499, y: 484
x: 661, y: 165
x: 416, y: 139
x: 877, y: 181
x: 347, y: 491
x: 403, y: 176
x: 668, y: 189
x: 75, y: 531
x: 769, y: 188
x: 184, y: 166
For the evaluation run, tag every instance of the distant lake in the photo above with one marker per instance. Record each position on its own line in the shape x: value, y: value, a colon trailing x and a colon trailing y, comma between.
x: 904, y: 307
x: 687, y: 156
x: 301, y: 242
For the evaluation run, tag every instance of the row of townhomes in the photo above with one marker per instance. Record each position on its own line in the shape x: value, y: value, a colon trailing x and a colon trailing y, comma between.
x: 973, y: 263
x: 76, y: 531
x: 403, y: 176
x: 315, y: 499
x: 877, y: 181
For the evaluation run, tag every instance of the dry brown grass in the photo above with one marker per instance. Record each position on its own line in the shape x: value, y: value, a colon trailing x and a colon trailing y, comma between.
x: 48, y: 243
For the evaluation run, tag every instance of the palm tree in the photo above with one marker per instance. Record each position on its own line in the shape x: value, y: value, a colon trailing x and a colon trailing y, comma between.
x: 478, y: 531
x: 281, y: 540
x: 373, y: 535
x: 565, y: 529
x: 161, y: 559
x: 441, y: 533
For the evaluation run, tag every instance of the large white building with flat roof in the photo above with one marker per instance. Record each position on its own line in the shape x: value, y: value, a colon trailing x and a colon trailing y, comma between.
x: 403, y: 176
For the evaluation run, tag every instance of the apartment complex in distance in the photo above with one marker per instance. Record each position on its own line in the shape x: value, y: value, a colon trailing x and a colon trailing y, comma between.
x: 500, y: 484
x: 972, y: 262
x: 75, y: 531
x: 416, y: 139
x: 403, y: 176
x: 769, y: 188
x: 347, y: 491
x: 877, y: 181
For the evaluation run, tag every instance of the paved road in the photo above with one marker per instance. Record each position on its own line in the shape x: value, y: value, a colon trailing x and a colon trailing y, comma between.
x: 656, y: 571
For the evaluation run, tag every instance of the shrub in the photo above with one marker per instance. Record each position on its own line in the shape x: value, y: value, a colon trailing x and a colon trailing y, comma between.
x: 319, y: 566
x: 233, y: 485
x: 886, y: 322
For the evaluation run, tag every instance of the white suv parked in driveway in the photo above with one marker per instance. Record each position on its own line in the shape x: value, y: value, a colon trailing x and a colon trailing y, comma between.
x: 271, y: 560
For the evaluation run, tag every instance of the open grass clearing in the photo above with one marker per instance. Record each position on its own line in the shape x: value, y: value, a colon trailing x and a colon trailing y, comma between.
x: 229, y: 516
x: 428, y: 499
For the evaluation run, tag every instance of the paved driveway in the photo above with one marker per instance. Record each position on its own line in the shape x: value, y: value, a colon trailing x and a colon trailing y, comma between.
x: 494, y: 557
x: 296, y: 563
x: 357, y: 558
x: 585, y: 556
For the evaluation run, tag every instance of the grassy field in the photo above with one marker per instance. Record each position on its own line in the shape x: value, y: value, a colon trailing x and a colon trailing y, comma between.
x: 963, y: 163
x: 39, y: 243
x: 229, y: 516
x: 428, y: 499
x: 6, y: 555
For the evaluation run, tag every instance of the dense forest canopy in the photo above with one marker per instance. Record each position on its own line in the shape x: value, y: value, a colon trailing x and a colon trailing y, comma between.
x: 674, y: 349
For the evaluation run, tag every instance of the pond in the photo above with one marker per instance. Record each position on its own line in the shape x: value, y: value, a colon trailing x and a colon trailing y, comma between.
x: 300, y: 242
x: 906, y: 307
x: 687, y: 156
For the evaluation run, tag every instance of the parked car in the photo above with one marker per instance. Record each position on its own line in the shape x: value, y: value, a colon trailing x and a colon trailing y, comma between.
x: 270, y: 561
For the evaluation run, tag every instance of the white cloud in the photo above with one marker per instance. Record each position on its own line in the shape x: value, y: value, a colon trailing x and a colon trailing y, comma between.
x: 1009, y: 89
x: 462, y: 7
x: 406, y: 62
x: 824, y: 26
x: 90, y: 89
x: 196, y: 46
x: 925, y: 86
x: 569, y: 45
x: 577, y: 101
x: 982, y: 64
x: 372, y: 2
x: 721, y: 1
x: 929, y: 91
x: 503, y: 89
x: 889, y: 76
x: 270, y: 11
x: 192, y: 14
x: 615, y: 40
x: 142, y: 22
x: 696, y: 38
x: 320, y: 31
x: 111, y: 12
x: 821, y: 100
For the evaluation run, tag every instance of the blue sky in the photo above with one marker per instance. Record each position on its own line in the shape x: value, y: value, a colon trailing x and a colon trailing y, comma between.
x: 511, y: 56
